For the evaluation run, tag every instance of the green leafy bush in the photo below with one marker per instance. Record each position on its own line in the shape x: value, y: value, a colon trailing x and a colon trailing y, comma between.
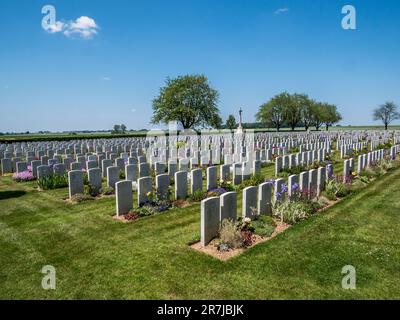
x: 386, y: 145
x: 198, y: 195
x: 335, y: 188
x: 286, y: 172
x: 145, y: 211
x: 53, y: 181
x: 264, y: 226
x: 226, y: 184
x: 254, y: 180
x: 293, y: 211
x: 92, y: 191
x: 85, y: 178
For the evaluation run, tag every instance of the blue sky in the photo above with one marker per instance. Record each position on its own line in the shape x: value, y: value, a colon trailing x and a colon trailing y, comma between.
x: 249, y: 50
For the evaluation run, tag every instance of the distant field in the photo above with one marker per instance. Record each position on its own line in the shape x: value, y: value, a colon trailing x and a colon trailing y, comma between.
x: 67, y: 136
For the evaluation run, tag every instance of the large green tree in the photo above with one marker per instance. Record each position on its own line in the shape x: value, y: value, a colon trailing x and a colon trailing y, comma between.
x: 273, y: 112
x: 188, y: 99
x: 231, y: 122
x: 386, y: 113
x: 317, y: 110
x: 291, y: 109
x: 330, y: 115
x: 306, y: 110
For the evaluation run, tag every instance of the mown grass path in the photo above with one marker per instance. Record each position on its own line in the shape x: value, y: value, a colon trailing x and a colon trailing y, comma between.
x: 97, y: 257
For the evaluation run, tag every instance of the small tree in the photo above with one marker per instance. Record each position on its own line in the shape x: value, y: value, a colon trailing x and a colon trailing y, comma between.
x: 386, y: 113
x: 190, y: 100
x: 306, y: 111
x: 117, y: 128
x: 123, y: 128
x: 330, y: 115
x: 231, y: 122
x: 317, y: 109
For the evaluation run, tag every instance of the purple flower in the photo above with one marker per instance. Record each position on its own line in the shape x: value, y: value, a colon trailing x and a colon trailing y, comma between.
x: 284, y: 188
x: 23, y: 176
x: 295, y: 186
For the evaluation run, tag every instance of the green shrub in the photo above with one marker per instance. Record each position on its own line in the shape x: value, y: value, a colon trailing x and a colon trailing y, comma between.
x: 85, y: 178
x: 364, y: 179
x: 145, y: 211
x: 267, y: 219
x: 92, y: 191
x: 254, y: 180
x: 371, y: 172
x: 329, y: 195
x: 286, y: 172
x: 198, y: 195
x: 337, y: 188
x: 386, y: 165
x: 386, y: 145
x: 264, y: 226
x: 293, y: 211
x: 53, y: 181
x: 227, y: 185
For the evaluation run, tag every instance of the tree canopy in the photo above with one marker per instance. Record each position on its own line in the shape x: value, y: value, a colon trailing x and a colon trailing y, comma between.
x: 297, y: 109
x: 119, y: 129
x: 272, y: 113
x: 188, y: 99
x: 330, y: 115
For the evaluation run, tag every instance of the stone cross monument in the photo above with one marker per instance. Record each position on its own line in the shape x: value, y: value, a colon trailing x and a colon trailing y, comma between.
x: 240, y: 128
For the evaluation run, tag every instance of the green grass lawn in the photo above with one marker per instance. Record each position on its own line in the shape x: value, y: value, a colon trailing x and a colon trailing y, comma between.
x: 97, y: 257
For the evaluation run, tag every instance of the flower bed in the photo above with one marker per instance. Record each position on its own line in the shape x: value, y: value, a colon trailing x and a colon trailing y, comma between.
x: 214, y: 247
x: 235, y: 237
x: 23, y: 176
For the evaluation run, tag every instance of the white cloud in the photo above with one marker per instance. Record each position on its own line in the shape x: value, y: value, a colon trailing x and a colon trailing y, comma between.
x: 133, y: 110
x: 106, y: 78
x: 56, y: 27
x: 84, y: 27
x: 281, y: 10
